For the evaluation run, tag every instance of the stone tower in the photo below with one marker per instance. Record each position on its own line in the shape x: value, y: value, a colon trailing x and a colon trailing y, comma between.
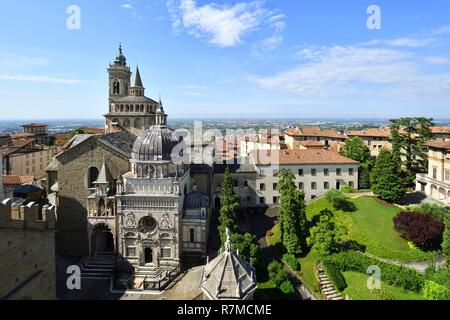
x: 128, y: 106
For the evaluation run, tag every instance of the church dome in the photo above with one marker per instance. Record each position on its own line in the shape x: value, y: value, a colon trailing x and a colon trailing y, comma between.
x: 195, y: 200
x: 155, y: 144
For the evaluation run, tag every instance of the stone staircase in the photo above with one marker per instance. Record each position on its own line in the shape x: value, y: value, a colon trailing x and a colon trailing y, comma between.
x: 99, y: 266
x: 328, y: 290
x: 147, y: 272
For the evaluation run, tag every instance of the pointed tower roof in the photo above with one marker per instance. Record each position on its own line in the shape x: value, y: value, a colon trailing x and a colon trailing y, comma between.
x: 136, y: 79
x: 101, y: 179
x: 120, y: 58
x: 228, y: 276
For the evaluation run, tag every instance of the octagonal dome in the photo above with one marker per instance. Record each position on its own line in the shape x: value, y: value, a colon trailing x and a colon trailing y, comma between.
x: 155, y: 144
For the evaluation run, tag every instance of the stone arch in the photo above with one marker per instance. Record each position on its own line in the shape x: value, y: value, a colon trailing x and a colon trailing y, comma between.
x: 102, y: 239
x: 101, y: 207
x: 191, y: 235
x: 126, y: 123
x: 127, y: 108
x: 121, y: 108
x: 434, y: 191
x: 116, y: 86
x: 116, y: 120
x: 138, y: 123
x: 442, y: 194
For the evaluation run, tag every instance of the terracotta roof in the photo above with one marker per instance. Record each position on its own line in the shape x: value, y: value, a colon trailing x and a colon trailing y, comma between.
x: 439, y: 144
x: 313, y: 131
x: 19, y: 144
x: 371, y: 132
x: 312, y: 143
x: 17, y: 180
x: 35, y: 125
x: 21, y: 135
x: 308, y: 156
x: 440, y: 129
x: 94, y: 130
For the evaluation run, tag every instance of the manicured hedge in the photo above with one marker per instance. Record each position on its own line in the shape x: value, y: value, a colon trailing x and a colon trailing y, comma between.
x: 335, y: 276
x: 390, y: 274
x: 292, y: 262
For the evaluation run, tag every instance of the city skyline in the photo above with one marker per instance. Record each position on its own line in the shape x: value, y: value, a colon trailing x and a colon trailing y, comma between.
x: 254, y: 59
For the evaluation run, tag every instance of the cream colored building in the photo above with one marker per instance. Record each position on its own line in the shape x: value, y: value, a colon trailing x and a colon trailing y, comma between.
x: 374, y: 138
x: 436, y: 183
x: 315, y: 171
x: 294, y: 137
x: 29, y: 159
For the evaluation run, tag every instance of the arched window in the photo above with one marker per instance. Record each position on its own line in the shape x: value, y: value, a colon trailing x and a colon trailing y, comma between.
x: 121, y: 108
x: 92, y: 176
x: 126, y: 123
x: 127, y: 108
x: 116, y: 87
x: 138, y: 123
x: 192, y: 235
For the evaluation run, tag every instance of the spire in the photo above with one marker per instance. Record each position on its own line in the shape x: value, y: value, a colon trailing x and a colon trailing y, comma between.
x: 136, y: 79
x: 120, y: 58
x: 101, y: 179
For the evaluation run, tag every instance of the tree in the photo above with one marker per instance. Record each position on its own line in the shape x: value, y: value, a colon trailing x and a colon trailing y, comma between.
x: 386, y: 177
x: 292, y: 214
x: 248, y: 247
x: 229, y: 206
x: 325, y: 236
x: 277, y: 274
x: 357, y: 150
x: 422, y: 229
x: 408, y: 137
x: 339, y: 201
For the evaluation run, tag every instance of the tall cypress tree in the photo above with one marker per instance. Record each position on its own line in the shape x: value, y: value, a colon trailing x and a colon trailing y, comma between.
x: 229, y: 206
x: 292, y: 213
x: 386, y: 178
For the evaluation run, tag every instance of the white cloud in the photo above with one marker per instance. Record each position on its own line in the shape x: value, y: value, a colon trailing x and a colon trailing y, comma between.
x: 127, y: 6
x: 222, y: 25
x: 441, y: 30
x: 338, y: 70
x: 436, y: 60
x: 42, y: 79
x: 402, y: 42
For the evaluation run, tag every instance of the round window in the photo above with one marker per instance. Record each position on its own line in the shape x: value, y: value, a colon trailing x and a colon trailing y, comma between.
x: 147, y: 224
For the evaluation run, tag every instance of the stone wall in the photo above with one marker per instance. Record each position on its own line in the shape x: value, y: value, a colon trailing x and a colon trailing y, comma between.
x: 73, y: 167
x: 27, y: 251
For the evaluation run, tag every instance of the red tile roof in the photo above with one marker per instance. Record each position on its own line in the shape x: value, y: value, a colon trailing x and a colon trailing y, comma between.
x: 439, y: 144
x: 17, y: 180
x: 313, y: 131
x: 297, y: 157
x: 371, y: 132
x: 440, y: 129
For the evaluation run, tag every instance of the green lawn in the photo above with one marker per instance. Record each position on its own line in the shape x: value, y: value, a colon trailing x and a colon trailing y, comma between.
x: 357, y: 289
x: 276, y: 237
x: 371, y: 225
x: 308, y: 273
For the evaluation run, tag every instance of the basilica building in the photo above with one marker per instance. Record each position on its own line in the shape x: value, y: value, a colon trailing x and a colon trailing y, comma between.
x: 124, y: 199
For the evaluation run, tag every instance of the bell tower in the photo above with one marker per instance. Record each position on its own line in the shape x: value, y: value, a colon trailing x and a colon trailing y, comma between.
x: 119, y: 76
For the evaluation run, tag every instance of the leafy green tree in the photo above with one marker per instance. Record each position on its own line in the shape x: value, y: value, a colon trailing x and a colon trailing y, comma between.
x: 229, y: 205
x: 325, y: 236
x: 248, y: 247
x: 386, y: 177
x: 408, y: 137
x: 435, y: 291
x: 339, y: 201
x: 357, y: 150
x: 277, y: 274
x: 292, y: 214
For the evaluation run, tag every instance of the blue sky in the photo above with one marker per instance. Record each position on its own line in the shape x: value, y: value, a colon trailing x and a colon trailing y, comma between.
x: 273, y: 58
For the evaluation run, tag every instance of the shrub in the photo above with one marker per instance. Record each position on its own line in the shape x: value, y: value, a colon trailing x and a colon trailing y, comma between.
x: 435, y: 291
x: 435, y: 210
x: 277, y: 274
x: 396, y: 276
x: 287, y: 288
x: 347, y: 189
x: 335, y: 276
x: 421, y: 229
x: 292, y: 262
x: 338, y: 200
x: 440, y: 276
